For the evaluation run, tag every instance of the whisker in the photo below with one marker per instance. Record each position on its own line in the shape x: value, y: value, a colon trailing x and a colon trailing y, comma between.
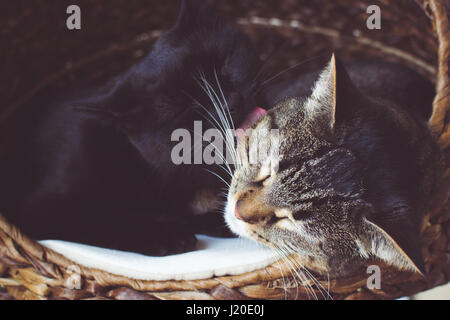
x: 301, y: 275
x: 285, y: 262
x: 212, y: 172
x: 224, y: 101
x: 311, y: 277
x: 222, y: 117
x: 226, y: 168
x: 319, y: 286
x: 217, y: 125
x: 287, y: 70
x: 223, y: 158
x: 228, y: 111
x: 221, y: 126
x: 280, y: 257
x: 272, y: 54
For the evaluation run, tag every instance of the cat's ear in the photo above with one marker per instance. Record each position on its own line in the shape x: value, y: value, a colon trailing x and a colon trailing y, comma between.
x: 396, y: 243
x: 194, y: 14
x: 334, y: 95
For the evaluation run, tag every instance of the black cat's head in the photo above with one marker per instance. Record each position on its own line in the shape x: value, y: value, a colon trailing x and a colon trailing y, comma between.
x: 198, y: 61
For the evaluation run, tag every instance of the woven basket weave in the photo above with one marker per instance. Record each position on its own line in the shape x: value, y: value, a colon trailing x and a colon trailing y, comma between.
x: 421, y: 40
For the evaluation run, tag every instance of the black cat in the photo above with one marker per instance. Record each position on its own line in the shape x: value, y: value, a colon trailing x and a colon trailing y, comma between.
x: 96, y: 168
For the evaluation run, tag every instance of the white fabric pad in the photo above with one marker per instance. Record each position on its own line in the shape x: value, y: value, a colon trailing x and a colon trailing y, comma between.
x: 212, y: 257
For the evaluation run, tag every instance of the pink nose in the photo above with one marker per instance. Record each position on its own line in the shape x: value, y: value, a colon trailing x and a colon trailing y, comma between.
x: 236, y: 212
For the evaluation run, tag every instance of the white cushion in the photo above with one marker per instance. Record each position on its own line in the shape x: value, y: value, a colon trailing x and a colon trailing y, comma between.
x: 212, y: 257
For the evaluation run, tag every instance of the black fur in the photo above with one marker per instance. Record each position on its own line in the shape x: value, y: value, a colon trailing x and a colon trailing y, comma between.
x: 96, y: 168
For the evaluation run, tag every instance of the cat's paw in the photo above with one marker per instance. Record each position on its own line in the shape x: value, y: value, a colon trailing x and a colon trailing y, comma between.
x: 166, y: 239
x: 175, y: 240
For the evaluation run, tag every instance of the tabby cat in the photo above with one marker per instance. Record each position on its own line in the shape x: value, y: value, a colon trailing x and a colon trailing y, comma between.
x: 352, y: 174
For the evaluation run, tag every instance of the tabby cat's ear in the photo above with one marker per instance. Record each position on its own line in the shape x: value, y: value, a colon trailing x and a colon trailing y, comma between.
x: 403, y: 252
x: 334, y: 95
x: 194, y: 14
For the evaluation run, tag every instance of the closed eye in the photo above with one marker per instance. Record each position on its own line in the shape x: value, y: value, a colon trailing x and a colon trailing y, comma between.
x: 302, y: 215
x: 260, y: 182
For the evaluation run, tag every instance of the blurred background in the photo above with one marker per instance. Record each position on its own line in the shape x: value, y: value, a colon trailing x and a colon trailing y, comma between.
x: 37, y: 50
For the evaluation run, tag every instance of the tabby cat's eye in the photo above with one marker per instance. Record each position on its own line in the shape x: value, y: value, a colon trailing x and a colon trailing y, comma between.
x: 261, y: 182
x: 302, y: 215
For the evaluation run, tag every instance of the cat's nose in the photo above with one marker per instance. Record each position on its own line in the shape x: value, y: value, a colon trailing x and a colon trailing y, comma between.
x: 252, y: 210
x: 237, y: 212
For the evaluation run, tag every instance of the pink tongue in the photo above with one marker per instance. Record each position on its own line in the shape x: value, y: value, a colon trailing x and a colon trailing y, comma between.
x: 251, y: 119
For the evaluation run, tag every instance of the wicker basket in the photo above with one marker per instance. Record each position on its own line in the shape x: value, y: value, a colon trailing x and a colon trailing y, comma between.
x: 415, y: 33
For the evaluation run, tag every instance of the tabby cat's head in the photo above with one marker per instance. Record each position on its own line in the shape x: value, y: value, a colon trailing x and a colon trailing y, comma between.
x: 308, y: 194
